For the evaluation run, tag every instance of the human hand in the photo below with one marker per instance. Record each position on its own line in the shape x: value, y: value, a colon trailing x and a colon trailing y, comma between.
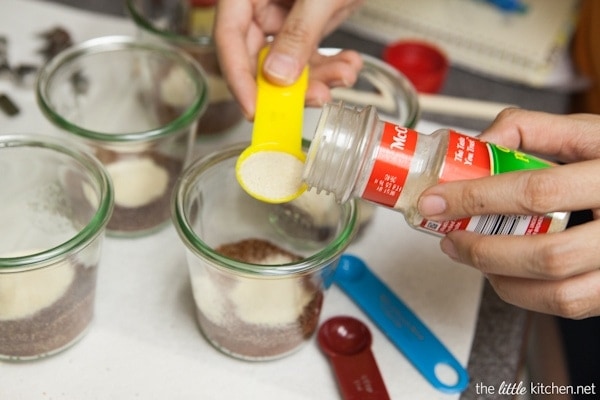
x: 554, y: 273
x: 242, y: 28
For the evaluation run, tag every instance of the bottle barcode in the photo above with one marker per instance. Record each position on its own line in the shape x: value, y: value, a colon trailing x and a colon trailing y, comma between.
x: 498, y: 224
x: 432, y: 225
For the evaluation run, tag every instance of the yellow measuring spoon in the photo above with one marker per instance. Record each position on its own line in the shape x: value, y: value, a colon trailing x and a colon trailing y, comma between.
x: 270, y: 169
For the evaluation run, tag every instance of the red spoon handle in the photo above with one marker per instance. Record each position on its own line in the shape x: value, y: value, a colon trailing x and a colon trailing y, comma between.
x: 359, y: 377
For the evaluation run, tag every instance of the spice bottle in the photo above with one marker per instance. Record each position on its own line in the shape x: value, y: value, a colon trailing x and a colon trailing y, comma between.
x: 355, y: 154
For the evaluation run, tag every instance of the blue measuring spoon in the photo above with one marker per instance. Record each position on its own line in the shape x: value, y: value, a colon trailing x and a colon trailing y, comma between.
x: 401, y: 326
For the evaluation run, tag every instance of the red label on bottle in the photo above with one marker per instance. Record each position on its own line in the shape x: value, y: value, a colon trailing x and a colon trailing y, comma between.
x: 391, y: 165
x: 470, y: 158
x: 466, y: 158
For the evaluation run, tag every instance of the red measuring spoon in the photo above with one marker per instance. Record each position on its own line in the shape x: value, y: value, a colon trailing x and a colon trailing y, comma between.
x: 347, y: 343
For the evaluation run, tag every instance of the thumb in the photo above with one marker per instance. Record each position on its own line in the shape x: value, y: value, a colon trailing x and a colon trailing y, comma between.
x: 298, y: 38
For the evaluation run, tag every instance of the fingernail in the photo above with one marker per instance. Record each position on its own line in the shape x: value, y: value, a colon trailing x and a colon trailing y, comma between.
x: 431, y: 205
x: 317, y: 102
x: 448, y: 248
x: 281, y: 67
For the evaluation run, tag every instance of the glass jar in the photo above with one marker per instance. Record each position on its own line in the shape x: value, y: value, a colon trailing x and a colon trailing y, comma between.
x: 187, y: 24
x: 135, y: 106
x: 259, y: 271
x: 56, y: 202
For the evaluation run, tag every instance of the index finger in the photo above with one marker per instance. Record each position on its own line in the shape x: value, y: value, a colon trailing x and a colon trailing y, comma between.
x: 566, y: 138
x: 237, y: 45
x: 535, y: 192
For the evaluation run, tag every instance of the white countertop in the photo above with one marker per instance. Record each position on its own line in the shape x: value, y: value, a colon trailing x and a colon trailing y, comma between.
x: 144, y: 342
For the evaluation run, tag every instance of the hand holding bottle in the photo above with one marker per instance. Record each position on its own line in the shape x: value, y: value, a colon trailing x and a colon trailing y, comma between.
x: 556, y: 273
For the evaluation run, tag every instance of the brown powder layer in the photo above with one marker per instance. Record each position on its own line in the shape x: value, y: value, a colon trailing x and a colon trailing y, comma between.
x: 255, y: 251
x: 218, y: 117
x: 251, y: 341
x: 54, y: 327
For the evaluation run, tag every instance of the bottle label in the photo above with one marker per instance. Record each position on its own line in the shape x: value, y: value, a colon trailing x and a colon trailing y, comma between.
x: 469, y: 158
x: 391, y: 165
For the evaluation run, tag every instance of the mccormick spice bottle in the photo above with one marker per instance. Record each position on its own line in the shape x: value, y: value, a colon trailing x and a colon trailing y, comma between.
x: 354, y: 154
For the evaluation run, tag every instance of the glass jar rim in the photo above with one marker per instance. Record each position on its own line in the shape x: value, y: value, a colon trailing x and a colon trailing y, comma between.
x: 144, y: 23
x: 392, y: 86
x: 107, y: 44
x: 96, y: 223
x: 183, y: 226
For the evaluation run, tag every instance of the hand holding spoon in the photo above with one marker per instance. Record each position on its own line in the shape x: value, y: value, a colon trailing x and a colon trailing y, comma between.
x: 270, y: 169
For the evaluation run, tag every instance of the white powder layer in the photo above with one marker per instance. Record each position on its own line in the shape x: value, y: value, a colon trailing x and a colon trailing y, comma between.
x: 270, y: 302
x: 264, y: 302
x: 272, y: 175
x: 273, y: 302
x: 137, y: 181
x: 218, y: 90
x: 209, y: 298
x: 175, y: 88
x: 25, y: 293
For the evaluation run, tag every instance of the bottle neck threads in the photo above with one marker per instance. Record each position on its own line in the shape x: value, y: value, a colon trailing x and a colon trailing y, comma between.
x: 334, y: 157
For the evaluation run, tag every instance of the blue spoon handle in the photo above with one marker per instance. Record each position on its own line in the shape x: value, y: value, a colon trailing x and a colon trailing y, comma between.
x: 401, y: 326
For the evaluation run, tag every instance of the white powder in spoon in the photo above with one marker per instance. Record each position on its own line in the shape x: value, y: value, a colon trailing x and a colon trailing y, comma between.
x: 272, y: 175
